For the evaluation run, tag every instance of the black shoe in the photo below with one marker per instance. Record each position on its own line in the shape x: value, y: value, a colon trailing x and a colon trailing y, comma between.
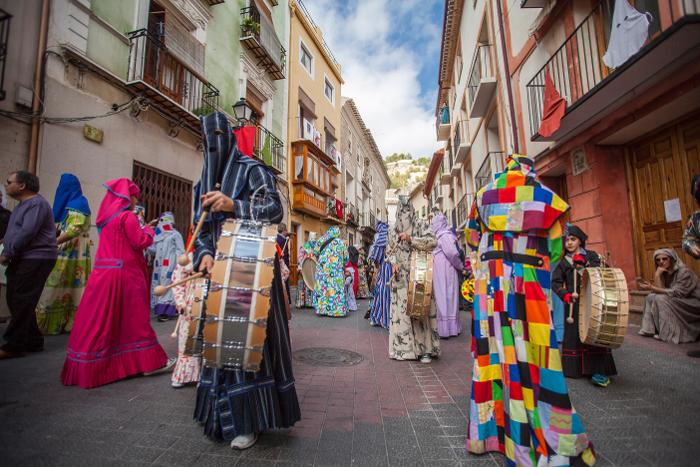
x: 163, y: 318
x: 367, y: 314
x: 694, y: 353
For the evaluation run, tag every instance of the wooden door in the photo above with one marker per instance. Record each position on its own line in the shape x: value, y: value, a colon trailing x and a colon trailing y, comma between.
x: 661, y: 167
x: 293, y: 256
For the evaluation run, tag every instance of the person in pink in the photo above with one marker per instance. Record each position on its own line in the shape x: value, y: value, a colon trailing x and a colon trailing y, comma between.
x: 112, y: 337
x: 447, y: 270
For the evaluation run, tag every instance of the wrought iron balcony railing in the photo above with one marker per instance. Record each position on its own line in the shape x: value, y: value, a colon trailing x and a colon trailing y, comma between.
x: 258, y: 34
x: 152, y: 62
x: 481, y: 68
x: 5, y: 19
x: 270, y: 149
x: 577, y: 68
x: 463, y: 207
x: 352, y: 215
x: 494, y: 162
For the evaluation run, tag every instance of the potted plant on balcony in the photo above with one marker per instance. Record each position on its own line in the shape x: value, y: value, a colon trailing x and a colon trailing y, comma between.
x: 250, y: 26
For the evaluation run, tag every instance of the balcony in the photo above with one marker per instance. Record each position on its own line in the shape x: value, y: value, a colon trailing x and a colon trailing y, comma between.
x: 442, y: 124
x: 312, y: 178
x: 170, y: 85
x: 482, y: 82
x: 456, y: 170
x: 591, y: 89
x: 352, y: 215
x: 447, y: 163
x: 258, y: 34
x: 460, y: 143
x: 5, y: 19
x: 463, y: 207
x: 270, y: 149
x: 332, y: 211
x: 494, y: 163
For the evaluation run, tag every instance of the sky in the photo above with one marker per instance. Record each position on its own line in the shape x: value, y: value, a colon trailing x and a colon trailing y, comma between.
x: 389, y: 52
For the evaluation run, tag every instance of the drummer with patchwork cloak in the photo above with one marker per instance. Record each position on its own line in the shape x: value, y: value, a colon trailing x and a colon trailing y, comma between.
x: 409, y: 338
x: 519, y: 406
x: 235, y: 405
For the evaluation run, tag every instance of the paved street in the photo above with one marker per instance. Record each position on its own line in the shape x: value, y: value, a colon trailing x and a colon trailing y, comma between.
x: 377, y: 412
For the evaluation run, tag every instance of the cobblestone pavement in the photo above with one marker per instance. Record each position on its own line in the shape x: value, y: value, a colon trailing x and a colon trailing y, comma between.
x: 378, y: 412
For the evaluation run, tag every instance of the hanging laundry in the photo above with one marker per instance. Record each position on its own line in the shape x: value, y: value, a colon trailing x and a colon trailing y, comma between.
x: 628, y: 34
x: 245, y: 139
x: 554, y: 107
x: 267, y: 150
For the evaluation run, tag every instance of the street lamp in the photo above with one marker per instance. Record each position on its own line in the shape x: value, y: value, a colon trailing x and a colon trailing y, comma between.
x: 244, y: 112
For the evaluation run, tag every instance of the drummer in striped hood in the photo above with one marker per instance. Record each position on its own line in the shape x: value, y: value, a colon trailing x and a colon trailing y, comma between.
x: 578, y: 359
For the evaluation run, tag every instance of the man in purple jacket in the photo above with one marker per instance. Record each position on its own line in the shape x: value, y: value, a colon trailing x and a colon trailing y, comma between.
x: 30, y: 253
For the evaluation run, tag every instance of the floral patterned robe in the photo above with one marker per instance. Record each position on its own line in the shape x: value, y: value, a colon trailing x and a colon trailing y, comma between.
x: 329, y: 292
x: 409, y: 339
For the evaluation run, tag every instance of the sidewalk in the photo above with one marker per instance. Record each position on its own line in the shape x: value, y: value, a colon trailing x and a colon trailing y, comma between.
x: 378, y: 412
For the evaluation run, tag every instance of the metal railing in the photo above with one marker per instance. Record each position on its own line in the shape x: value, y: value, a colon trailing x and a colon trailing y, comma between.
x: 352, y: 215
x: 152, y: 62
x: 4, y: 38
x: 577, y: 66
x: 253, y: 24
x: 494, y: 162
x: 331, y: 208
x: 270, y: 149
x: 481, y: 68
x: 310, y: 19
x: 463, y: 207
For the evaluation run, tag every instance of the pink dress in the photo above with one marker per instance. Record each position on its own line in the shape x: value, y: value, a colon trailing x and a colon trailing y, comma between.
x: 112, y: 337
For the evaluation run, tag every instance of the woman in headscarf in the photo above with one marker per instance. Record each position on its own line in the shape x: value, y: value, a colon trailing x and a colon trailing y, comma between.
x: 112, y: 336
x: 305, y: 296
x: 672, y: 309
x: 410, y: 338
x: 380, y: 307
x: 329, y: 298
x: 577, y: 358
x: 447, y: 272
x: 166, y: 249
x: 64, y: 287
x: 363, y: 288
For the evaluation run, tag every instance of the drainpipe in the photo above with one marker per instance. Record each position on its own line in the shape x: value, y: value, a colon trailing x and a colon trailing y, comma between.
x: 38, y: 78
x: 514, y: 128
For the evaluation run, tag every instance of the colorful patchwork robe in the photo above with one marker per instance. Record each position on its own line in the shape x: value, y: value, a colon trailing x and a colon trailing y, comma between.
x: 519, y: 405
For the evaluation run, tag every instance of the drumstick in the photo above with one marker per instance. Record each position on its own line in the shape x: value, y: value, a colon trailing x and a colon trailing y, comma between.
x: 162, y: 289
x: 184, y: 260
x: 570, y: 319
x: 177, y: 326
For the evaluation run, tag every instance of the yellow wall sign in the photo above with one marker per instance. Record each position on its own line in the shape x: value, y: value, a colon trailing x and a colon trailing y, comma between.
x: 93, y: 134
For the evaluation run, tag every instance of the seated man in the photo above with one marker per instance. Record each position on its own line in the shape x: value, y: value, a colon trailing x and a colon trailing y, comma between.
x: 672, y: 310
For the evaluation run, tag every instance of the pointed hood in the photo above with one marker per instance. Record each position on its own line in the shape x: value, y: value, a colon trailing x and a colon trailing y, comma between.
x: 117, y: 200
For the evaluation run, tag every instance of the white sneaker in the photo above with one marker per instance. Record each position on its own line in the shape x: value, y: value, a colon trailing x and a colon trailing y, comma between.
x: 244, y: 441
x: 177, y: 384
x: 168, y: 366
x: 426, y: 359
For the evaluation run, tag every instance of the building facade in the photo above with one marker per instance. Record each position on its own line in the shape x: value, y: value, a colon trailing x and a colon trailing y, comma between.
x: 364, y: 174
x: 145, y: 70
x: 627, y: 143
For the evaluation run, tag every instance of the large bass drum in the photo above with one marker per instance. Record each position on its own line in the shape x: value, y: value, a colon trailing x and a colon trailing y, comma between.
x: 238, y: 301
x: 420, y: 284
x: 603, y: 307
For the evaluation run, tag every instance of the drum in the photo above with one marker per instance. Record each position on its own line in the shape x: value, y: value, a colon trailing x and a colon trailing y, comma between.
x: 238, y: 300
x: 308, y: 272
x: 468, y: 290
x: 420, y: 284
x: 603, y: 307
x: 199, y: 289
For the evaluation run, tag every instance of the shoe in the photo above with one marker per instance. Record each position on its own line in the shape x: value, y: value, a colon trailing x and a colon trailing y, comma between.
x: 244, y: 441
x: 177, y: 384
x: 694, y: 353
x: 656, y: 336
x: 163, y: 318
x: 644, y: 333
x: 367, y: 314
x: 168, y: 366
x: 4, y: 354
x: 600, y: 380
x: 426, y: 359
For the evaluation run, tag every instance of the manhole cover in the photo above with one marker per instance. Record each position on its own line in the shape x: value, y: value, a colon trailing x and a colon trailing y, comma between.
x: 328, y: 356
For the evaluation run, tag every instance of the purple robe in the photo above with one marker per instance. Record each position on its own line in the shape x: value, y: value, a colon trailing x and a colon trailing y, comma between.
x: 447, y: 266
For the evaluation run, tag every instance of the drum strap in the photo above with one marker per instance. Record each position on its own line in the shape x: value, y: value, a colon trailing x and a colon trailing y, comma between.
x: 513, y: 257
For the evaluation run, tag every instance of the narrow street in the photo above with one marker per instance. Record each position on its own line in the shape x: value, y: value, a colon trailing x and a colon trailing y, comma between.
x: 375, y: 412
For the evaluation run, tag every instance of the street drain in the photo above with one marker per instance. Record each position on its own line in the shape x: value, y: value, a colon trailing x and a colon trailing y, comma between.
x: 328, y: 356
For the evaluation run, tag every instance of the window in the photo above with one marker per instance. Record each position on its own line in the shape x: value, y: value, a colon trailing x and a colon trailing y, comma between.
x: 329, y: 91
x: 306, y: 59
